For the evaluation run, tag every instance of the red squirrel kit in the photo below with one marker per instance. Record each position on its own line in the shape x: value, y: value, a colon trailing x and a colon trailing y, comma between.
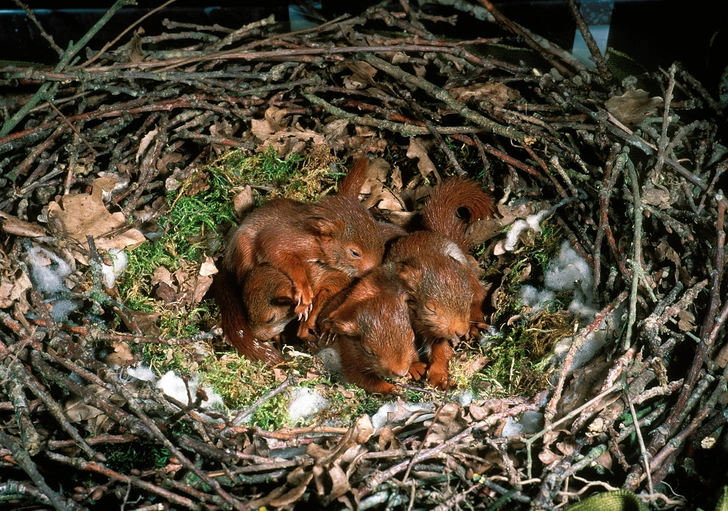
x: 324, y: 266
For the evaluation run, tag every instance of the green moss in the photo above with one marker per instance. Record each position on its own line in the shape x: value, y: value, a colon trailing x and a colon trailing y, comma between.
x: 124, y: 458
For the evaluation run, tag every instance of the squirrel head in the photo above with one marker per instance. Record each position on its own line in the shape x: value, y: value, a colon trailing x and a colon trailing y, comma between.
x: 349, y: 237
x: 268, y: 295
x: 441, y: 296
x: 374, y: 322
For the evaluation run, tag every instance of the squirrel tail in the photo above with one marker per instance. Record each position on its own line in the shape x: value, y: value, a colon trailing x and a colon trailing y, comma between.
x: 441, y: 212
x: 354, y: 179
x: 229, y: 297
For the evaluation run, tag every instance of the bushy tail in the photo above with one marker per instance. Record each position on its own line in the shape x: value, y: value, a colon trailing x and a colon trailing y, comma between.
x: 441, y: 211
x: 352, y: 183
x: 229, y: 297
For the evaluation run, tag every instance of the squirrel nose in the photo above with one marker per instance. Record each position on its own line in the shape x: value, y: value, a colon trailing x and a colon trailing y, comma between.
x: 460, y: 330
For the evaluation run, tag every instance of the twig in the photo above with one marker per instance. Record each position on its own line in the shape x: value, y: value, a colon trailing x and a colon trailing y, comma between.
x: 31, y: 16
x: 242, y: 415
x: 127, y: 29
x: 596, y: 55
x: 643, y: 450
x: 23, y: 459
x: 637, y: 254
x: 66, y: 59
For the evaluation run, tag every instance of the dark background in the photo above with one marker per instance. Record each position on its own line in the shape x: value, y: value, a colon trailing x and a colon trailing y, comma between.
x: 652, y: 32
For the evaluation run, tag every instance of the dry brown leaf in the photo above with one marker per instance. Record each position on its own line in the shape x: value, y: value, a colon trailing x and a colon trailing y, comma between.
x: 450, y: 421
x: 633, y: 107
x: 81, y: 215
x: 657, y: 197
x: 162, y: 275
x: 495, y: 93
x: 244, y: 202
x: 121, y: 356
x: 12, y: 287
x: 358, y: 434
x: 208, y: 268
x: 144, y: 144
x: 18, y: 227
x: 548, y: 457
x: 290, y: 497
x: 686, y: 321
x: 417, y: 149
x: 481, y: 411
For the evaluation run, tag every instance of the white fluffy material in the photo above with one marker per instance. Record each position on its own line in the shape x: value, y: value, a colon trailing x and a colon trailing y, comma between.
x: 570, y: 271
x: 62, y: 308
x: 119, y: 260
x: 47, y: 270
x: 331, y: 360
x: 529, y: 423
x: 534, y: 298
x: 174, y: 386
x: 142, y: 372
x: 532, y: 222
x: 305, y: 403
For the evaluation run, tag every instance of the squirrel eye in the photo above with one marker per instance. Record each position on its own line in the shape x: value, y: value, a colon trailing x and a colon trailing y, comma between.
x: 270, y: 320
x: 368, y: 352
x: 355, y: 253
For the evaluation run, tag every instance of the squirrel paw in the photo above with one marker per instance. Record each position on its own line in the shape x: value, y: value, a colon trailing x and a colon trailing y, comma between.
x: 439, y: 379
x: 304, y: 304
x: 417, y: 370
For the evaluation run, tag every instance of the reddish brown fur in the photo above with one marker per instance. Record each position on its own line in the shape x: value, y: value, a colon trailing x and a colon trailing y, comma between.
x: 372, y: 330
x: 325, y: 283
x: 228, y: 296
x: 439, y: 213
x: 268, y: 299
x: 291, y: 236
x: 447, y: 297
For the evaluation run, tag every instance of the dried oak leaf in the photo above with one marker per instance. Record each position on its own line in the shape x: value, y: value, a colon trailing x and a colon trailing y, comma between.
x: 450, y: 422
x: 658, y: 197
x: 82, y: 215
x: 13, y: 287
x: 417, y: 149
x: 243, y: 202
x: 493, y: 92
x: 633, y: 107
x: 121, y: 356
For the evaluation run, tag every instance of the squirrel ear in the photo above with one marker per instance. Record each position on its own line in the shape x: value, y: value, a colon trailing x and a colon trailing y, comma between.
x: 409, y: 274
x: 342, y: 320
x: 341, y: 326
x: 283, y: 295
x: 324, y: 226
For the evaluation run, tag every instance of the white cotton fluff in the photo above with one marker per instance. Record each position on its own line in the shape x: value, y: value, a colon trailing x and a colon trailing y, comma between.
x: 570, y: 271
x: 47, y: 270
x: 331, y: 360
x: 142, y: 372
x: 305, y: 404
x: 119, y: 260
x: 534, y: 298
x: 528, y: 424
x: 532, y: 222
x: 62, y: 308
x: 174, y: 386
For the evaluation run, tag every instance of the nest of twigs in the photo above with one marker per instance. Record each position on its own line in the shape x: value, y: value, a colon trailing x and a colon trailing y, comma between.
x: 95, y: 151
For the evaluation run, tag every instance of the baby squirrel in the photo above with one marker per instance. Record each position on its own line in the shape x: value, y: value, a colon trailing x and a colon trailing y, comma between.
x: 446, y: 295
x: 370, y: 326
x: 228, y: 295
x: 291, y: 236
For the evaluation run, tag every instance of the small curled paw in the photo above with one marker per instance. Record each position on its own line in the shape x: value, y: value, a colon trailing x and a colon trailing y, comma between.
x: 439, y: 379
x: 417, y: 370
